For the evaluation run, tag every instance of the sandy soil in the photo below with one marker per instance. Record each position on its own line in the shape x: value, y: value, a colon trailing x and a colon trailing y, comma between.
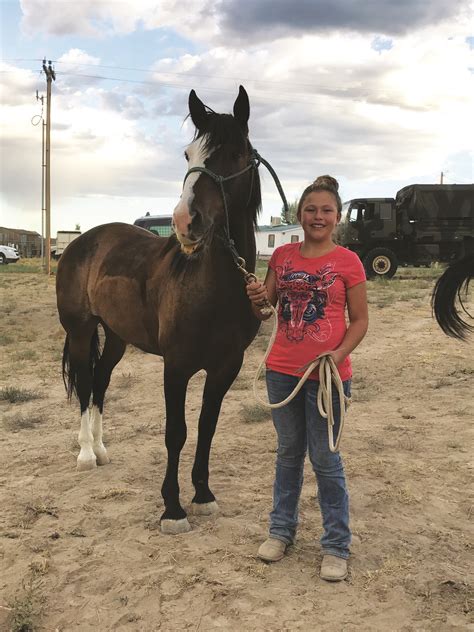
x: 83, y: 551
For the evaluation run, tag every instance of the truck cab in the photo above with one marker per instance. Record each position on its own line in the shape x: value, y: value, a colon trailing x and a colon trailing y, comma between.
x: 422, y: 224
x: 369, y: 228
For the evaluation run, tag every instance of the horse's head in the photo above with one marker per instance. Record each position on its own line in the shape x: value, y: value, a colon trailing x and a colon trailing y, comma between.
x: 220, y: 149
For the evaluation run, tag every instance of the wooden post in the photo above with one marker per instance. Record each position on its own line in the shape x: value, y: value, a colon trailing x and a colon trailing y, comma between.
x: 50, y: 76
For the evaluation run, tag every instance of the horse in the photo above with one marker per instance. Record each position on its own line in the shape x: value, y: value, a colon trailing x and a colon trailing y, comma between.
x: 451, y: 285
x: 181, y: 297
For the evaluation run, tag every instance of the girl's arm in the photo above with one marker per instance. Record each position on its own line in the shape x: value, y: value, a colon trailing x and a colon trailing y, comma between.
x: 358, y: 322
x: 258, y: 292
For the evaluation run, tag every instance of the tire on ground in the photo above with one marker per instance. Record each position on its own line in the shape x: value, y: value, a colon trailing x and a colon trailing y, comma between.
x: 380, y: 262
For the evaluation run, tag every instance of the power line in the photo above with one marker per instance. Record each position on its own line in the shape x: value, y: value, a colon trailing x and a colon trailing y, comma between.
x: 194, y: 74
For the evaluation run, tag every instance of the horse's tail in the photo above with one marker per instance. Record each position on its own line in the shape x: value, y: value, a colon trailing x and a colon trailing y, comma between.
x: 70, y: 368
x: 453, y: 284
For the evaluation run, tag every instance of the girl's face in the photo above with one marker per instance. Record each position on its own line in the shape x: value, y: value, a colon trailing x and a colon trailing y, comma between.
x: 319, y: 216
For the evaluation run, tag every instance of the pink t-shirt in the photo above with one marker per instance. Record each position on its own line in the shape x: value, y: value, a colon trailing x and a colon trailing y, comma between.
x: 311, y: 306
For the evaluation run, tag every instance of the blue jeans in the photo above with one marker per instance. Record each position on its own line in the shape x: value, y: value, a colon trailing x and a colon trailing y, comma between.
x: 301, y: 428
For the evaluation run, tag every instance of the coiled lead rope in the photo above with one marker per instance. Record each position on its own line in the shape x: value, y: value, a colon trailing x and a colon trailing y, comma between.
x: 328, y: 374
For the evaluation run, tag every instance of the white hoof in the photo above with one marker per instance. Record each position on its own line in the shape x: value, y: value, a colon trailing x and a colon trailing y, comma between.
x: 101, y: 456
x: 174, y: 527
x: 85, y: 465
x: 204, y: 509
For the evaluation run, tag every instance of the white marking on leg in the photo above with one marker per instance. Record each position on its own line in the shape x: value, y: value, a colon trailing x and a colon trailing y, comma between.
x: 98, y: 447
x: 86, y: 459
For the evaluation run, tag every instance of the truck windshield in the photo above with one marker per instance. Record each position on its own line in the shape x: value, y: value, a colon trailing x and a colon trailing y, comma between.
x: 345, y: 208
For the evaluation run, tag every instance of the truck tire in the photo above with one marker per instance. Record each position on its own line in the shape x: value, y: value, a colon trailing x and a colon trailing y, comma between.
x: 380, y: 262
x: 3, y: 259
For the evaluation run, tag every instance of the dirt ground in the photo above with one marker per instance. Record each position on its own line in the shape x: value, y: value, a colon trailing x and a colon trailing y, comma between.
x: 83, y: 551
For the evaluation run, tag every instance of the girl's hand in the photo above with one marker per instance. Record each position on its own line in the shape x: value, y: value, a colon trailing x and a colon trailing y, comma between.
x: 257, y: 293
x: 338, y: 355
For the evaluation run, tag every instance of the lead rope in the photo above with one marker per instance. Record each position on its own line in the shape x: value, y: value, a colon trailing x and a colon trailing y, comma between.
x: 328, y: 374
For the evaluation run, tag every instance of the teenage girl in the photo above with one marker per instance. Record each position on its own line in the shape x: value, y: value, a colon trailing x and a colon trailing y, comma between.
x: 313, y: 281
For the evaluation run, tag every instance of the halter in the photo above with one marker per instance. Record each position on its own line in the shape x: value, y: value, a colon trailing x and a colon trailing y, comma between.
x: 254, y: 163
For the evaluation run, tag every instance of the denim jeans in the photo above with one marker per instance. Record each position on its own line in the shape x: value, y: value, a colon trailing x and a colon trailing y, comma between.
x: 300, y: 428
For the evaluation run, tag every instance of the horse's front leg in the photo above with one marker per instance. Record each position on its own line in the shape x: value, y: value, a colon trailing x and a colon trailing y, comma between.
x: 217, y: 385
x: 174, y: 518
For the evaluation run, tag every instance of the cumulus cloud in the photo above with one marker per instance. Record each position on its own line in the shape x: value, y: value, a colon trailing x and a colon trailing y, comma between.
x: 236, y: 21
x: 88, y: 18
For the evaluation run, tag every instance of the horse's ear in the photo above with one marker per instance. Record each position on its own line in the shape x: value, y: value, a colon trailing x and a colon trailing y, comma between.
x: 197, y: 110
x: 242, y: 108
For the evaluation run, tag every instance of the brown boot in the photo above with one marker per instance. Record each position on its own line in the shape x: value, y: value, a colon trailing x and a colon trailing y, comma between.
x: 333, y: 568
x: 272, y: 550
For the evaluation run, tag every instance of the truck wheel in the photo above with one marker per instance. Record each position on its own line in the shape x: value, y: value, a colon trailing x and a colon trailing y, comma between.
x: 380, y: 262
x: 3, y: 259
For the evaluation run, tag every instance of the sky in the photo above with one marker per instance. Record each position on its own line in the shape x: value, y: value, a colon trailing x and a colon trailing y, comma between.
x: 376, y: 93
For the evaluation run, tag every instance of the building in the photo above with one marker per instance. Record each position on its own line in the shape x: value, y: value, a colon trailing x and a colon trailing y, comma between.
x: 276, y: 234
x: 27, y: 242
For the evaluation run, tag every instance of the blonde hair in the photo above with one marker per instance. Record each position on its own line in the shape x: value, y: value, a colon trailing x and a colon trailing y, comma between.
x: 322, y: 183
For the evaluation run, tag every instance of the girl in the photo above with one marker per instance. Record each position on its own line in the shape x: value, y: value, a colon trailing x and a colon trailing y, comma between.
x: 313, y: 282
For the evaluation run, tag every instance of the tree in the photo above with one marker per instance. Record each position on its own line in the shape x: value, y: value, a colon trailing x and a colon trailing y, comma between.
x: 78, y: 227
x: 292, y: 209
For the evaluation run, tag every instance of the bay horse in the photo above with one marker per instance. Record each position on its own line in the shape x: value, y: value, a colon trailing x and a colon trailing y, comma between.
x: 448, y: 290
x: 182, y: 298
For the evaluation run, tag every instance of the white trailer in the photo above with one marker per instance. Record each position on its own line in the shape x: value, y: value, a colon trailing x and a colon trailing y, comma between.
x: 270, y: 237
x: 63, y: 239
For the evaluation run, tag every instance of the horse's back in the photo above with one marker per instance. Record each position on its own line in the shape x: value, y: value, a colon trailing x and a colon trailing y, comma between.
x: 104, y: 273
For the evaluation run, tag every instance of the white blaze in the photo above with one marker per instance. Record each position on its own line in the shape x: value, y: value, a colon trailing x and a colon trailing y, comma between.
x: 197, y: 155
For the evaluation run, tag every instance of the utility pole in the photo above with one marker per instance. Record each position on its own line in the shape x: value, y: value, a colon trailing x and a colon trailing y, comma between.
x: 43, y: 167
x: 441, y: 179
x: 50, y: 76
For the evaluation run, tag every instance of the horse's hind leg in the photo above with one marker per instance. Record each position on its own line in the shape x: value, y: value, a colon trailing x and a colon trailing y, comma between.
x: 79, y: 350
x: 217, y: 385
x: 112, y: 353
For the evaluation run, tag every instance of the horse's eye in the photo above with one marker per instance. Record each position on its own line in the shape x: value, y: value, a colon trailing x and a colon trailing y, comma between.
x: 186, y: 155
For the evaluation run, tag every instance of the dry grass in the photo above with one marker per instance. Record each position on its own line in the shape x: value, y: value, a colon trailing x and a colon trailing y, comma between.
x: 391, y: 566
x: 22, y: 422
x: 396, y: 494
x: 36, y: 508
x: 125, y: 381
x: 254, y: 413
x: 27, y: 606
x: 113, y: 492
x: 17, y: 395
x: 24, y: 355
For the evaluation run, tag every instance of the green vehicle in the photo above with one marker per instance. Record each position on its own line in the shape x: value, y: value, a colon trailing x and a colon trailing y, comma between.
x: 422, y: 224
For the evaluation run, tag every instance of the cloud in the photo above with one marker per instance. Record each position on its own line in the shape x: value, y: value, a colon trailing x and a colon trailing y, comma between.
x: 270, y: 18
x: 88, y: 18
x: 234, y: 22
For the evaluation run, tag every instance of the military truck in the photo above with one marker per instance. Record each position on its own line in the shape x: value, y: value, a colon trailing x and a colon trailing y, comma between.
x: 422, y: 224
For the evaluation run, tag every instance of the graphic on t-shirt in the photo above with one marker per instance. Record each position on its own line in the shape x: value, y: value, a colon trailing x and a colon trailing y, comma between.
x: 303, y: 298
